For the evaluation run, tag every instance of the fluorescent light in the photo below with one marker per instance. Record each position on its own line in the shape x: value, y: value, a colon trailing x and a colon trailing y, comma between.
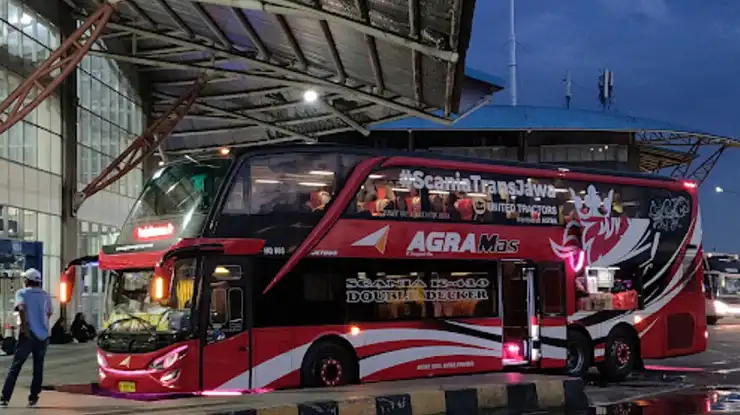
x: 267, y: 181
x: 399, y: 189
x: 375, y: 176
x: 438, y: 192
x: 321, y: 173
x: 312, y: 184
x: 477, y: 194
x: 310, y: 96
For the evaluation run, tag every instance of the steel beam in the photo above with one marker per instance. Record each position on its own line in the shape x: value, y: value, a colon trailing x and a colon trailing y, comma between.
x: 288, y: 7
x: 346, y: 119
x: 701, y: 172
x: 252, y: 34
x: 175, y: 18
x: 416, y: 61
x: 298, y: 78
x: 142, y: 147
x: 244, y: 117
x: 292, y: 41
x: 682, y: 169
x: 64, y: 60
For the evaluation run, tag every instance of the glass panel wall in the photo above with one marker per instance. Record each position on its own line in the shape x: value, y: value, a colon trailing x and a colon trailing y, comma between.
x: 30, y: 152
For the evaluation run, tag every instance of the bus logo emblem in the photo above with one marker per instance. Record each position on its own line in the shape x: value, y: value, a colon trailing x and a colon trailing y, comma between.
x: 125, y: 362
x: 377, y: 239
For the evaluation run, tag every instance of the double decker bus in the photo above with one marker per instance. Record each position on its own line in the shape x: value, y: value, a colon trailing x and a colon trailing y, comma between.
x: 722, y: 286
x: 323, y: 265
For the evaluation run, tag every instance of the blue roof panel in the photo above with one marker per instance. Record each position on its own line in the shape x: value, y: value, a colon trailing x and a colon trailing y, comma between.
x: 507, y: 118
x: 484, y: 77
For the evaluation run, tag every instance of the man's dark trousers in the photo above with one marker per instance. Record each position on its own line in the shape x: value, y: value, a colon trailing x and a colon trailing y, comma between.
x: 27, y: 345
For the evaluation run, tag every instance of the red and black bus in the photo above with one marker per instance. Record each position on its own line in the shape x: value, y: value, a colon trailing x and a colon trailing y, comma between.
x: 321, y: 265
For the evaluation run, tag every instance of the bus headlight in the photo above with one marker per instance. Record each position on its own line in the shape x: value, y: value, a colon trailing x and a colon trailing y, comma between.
x: 720, y: 307
x: 101, y: 360
x: 168, y: 360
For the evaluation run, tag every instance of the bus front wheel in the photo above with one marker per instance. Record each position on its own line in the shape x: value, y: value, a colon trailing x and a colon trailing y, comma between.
x: 328, y: 364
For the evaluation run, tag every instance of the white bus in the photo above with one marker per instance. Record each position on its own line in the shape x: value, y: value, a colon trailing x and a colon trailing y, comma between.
x: 722, y: 286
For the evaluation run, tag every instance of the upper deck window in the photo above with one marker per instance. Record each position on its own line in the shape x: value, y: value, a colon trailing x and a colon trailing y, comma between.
x: 287, y: 183
x: 448, y: 195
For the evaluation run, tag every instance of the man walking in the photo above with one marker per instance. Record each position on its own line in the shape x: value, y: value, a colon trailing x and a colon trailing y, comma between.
x: 34, y: 306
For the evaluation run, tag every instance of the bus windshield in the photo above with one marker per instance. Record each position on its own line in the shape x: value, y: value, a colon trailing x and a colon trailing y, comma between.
x: 175, y: 201
x: 131, y: 308
x: 728, y: 264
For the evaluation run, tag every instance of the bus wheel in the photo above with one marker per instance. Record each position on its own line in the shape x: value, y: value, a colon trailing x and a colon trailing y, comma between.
x: 578, y: 357
x: 622, y: 355
x: 328, y: 364
x: 712, y: 320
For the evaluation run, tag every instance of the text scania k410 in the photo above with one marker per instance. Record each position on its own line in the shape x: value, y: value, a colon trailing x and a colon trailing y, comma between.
x: 320, y: 266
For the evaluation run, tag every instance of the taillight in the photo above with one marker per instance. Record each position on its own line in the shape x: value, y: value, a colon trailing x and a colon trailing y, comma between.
x: 689, y: 184
x: 63, y: 292
x: 169, y: 360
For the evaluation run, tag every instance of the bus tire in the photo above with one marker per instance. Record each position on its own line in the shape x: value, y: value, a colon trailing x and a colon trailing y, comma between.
x: 712, y: 320
x: 578, y: 354
x: 327, y: 364
x: 622, y: 355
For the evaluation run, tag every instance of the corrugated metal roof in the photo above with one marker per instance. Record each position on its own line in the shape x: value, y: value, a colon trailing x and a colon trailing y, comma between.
x: 498, y: 117
x: 373, y: 60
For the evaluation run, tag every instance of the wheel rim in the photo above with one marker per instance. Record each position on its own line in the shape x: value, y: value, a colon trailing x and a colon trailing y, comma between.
x: 622, y: 353
x: 331, y: 372
x: 574, y: 359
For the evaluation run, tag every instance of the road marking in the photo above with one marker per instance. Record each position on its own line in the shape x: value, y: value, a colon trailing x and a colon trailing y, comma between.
x: 726, y: 371
x: 674, y: 368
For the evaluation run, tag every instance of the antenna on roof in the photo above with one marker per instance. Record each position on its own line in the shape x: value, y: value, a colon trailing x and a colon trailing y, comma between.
x: 512, y: 54
x: 606, y: 89
x: 568, y: 90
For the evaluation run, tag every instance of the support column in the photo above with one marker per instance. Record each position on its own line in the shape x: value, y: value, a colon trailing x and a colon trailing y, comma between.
x: 70, y: 238
x: 633, y: 154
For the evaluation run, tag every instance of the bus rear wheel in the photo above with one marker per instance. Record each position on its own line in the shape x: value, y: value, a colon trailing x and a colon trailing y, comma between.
x: 328, y: 364
x: 622, y: 355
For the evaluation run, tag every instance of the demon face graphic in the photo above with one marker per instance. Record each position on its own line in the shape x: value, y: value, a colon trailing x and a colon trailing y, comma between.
x: 593, y: 232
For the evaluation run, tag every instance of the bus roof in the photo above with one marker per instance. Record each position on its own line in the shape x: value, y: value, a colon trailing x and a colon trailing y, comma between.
x: 283, y: 148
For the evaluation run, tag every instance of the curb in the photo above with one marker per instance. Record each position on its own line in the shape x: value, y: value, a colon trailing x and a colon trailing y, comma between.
x: 518, y: 398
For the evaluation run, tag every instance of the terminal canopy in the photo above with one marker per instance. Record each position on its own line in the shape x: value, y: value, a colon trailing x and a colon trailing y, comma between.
x: 292, y: 70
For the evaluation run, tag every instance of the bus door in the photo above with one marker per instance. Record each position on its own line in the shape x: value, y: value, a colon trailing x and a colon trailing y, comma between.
x: 224, y: 324
x: 549, y: 332
x: 516, y: 279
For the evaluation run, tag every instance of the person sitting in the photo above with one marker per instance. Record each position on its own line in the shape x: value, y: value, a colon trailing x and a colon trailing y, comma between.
x: 81, y: 330
x: 59, y: 333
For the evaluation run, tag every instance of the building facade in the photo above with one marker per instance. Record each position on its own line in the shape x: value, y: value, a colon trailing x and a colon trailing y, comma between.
x: 108, y: 117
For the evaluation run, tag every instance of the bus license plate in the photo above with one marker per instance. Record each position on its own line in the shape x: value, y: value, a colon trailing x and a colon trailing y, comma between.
x: 127, y: 387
